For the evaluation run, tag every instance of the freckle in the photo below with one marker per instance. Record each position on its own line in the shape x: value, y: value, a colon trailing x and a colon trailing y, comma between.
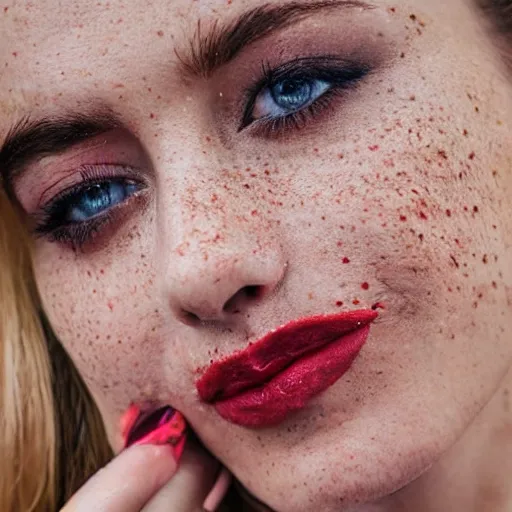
x: 345, y: 260
x: 421, y: 237
x: 495, y: 285
x: 465, y: 133
x: 341, y: 156
x: 412, y: 97
x: 151, y: 115
x: 402, y: 55
x: 102, y: 271
x: 475, y: 209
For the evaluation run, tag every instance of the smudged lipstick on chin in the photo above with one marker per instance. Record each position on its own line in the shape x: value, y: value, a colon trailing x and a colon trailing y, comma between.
x: 260, y: 385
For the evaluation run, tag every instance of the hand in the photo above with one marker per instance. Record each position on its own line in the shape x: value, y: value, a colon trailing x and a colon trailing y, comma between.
x: 147, y: 479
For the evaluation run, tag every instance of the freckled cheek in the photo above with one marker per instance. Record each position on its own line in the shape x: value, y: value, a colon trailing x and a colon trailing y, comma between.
x: 103, y: 321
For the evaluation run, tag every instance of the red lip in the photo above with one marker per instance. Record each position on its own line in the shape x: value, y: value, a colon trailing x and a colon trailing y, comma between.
x: 280, y: 373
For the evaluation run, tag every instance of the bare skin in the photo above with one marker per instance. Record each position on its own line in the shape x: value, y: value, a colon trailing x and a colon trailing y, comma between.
x: 397, y: 194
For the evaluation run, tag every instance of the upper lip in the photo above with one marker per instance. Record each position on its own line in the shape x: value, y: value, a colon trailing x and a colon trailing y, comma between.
x: 265, y: 358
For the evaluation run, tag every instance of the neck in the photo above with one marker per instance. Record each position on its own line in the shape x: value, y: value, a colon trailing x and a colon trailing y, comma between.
x: 476, y: 473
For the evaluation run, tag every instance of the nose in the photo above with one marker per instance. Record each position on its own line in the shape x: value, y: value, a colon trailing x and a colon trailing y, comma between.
x: 212, y: 277
x: 228, y: 283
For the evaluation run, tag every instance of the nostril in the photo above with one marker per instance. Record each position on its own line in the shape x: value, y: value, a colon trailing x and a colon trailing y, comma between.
x: 189, y: 318
x: 236, y: 302
x: 253, y: 292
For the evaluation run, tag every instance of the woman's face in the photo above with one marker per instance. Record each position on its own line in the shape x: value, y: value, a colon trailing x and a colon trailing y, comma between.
x: 198, y: 173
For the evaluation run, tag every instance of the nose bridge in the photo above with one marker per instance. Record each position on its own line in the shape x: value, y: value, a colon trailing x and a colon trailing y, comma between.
x: 220, y: 250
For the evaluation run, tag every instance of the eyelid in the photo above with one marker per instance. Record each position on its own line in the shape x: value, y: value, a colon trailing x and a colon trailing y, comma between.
x: 342, y: 73
x: 89, y: 173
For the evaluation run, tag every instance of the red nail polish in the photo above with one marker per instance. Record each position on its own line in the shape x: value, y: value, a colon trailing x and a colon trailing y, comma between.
x: 163, y: 426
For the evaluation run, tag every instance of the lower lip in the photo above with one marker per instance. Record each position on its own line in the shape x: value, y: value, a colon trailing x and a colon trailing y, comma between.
x: 294, y: 387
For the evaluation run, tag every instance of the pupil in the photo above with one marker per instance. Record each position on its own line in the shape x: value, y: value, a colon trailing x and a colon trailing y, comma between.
x: 291, y: 94
x: 96, y: 192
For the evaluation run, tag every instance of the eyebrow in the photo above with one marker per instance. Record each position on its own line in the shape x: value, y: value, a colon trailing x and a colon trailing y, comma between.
x: 221, y: 44
x: 30, y: 140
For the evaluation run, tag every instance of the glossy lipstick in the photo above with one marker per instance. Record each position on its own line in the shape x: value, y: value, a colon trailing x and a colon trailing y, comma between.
x: 280, y: 373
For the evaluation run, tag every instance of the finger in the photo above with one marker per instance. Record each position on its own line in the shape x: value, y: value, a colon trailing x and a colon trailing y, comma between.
x: 128, y: 482
x: 189, y: 486
x: 219, y: 490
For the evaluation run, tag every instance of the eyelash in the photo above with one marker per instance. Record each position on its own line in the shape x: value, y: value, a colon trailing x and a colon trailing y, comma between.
x: 341, y: 74
x: 77, y: 234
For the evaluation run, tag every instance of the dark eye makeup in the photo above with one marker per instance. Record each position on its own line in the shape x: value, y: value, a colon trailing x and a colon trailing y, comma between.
x: 79, y: 212
x: 284, y: 99
x: 294, y: 93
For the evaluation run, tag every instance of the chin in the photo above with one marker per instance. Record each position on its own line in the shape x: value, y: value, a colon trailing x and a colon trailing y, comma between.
x: 359, y: 474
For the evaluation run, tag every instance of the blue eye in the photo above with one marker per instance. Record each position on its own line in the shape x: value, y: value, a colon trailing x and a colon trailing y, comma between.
x: 288, y: 96
x: 292, y: 95
x: 77, y: 214
x: 95, y: 199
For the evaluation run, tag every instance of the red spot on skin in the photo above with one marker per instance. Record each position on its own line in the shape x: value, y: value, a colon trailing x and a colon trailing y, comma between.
x: 403, y: 218
x: 373, y: 148
x: 465, y: 133
x: 339, y: 304
x: 346, y: 260
x: 472, y: 155
x: 6, y: 9
x: 378, y: 305
x: 365, y: 286
x: 110, y: 305
x: 448, y: 213
x: 475, y: 209
x: 485, y: 259
x: 356, y: 302
x: 160, y: 33
x: 254, y: 213
x: 455, y: 262
x: 423, y: 216
x: 442, y: 154
x: 152, y: 116
x: 14, y: 54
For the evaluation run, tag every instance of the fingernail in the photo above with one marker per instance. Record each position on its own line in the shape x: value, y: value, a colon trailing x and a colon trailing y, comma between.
x: 163, y: 427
